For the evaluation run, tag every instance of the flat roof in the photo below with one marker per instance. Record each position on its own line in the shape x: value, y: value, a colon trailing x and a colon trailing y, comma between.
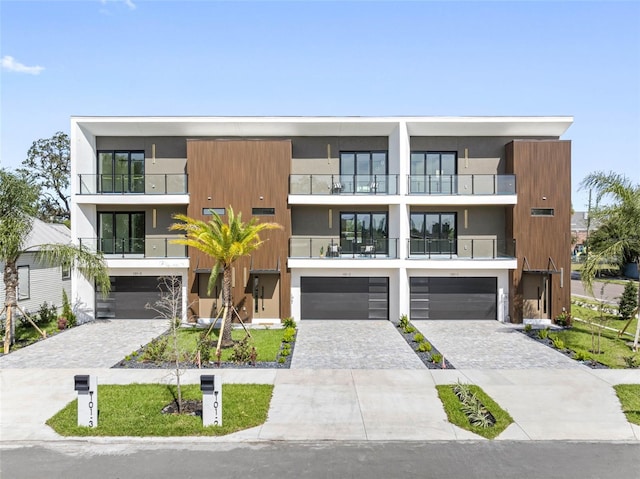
x: 284, y: 126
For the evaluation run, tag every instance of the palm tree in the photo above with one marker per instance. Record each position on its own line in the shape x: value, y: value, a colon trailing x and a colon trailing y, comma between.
x: 620, y: 217
x: 225, y: 243
x: 18, y: 205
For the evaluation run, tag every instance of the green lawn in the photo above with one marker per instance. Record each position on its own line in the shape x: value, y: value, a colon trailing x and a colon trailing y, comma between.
x: 26, y: 334
x: 455, y: 415
x: 135, y: 410
x: 629, y: 395
x: 612, y: 320
x: 579, y: 338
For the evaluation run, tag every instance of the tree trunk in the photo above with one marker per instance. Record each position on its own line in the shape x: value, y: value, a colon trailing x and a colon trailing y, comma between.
x: 228, y: 313
x: 10, y: 278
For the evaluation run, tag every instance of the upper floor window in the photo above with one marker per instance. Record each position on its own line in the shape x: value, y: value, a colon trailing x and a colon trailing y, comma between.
x: 433, y: 233
x: 210, y: 211
x: 542, y: 212
x: 363, y: 163
x: 121, y: 171
x: 364, y: 232
x: 263, y: 211
x: 121, y: 232
x: 434, y: 163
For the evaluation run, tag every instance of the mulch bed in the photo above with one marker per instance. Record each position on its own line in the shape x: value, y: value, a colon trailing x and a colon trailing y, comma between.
x: 533, y: 334
x: 190, y: 407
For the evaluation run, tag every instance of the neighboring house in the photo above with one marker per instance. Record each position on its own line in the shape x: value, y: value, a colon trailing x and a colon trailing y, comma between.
x: 39, y: 283
x: 433, y: 217
x: 579, y: 224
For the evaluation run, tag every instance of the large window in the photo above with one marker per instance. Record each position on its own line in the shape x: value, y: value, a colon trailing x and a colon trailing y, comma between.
x: 121, y: 233
x: 363, y: 171
x: 433, y: 233
x: 433, y: 172
x: 364, y: 232
x: 121, y: 171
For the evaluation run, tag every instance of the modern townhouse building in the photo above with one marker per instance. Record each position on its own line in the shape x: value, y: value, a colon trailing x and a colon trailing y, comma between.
x: 433, y: 217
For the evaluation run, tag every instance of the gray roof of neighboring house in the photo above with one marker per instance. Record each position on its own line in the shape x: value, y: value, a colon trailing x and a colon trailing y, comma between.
x: 47, y: 233
x: 579, y: 221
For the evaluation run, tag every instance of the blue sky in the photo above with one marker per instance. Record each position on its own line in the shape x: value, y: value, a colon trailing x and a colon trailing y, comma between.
x: 136, y: 57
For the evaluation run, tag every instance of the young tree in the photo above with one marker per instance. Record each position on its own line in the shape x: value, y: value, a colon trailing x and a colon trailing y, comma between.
x: 225, y: 243
x: 18, y: 199
x: 48, y: 166
x: 622, y: 209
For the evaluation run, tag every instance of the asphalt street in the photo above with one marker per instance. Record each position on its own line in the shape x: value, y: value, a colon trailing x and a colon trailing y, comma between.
x: 284, y: 460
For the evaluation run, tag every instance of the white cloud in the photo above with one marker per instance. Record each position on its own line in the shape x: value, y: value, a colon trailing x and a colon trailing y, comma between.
x: 128, y: 3
x: 10, y: 64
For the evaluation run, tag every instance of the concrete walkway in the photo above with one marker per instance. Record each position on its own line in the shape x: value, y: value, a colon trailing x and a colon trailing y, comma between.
x: 99, y: 344
x: 491, y: 345
x: 349, y: 344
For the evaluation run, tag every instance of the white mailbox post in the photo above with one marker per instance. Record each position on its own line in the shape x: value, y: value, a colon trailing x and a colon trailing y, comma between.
x: 211, y: 387
x: 87, y: 387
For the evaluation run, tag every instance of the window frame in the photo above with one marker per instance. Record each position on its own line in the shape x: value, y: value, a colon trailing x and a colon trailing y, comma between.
x: 130, y: 175
x: 544, y: 212
x: 263, y: 211
x: 424, y: 238
x: 206, y: 211
x: 20, y: 296
x: 115, y: 236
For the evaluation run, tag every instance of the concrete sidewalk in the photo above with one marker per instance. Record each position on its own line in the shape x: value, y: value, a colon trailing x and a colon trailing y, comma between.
x: 573, y: 404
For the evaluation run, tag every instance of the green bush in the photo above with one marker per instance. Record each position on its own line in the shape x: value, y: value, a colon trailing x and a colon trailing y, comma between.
x: 404, y: 321
x: 46, y: 314
x: 563, y: 319
x: 67, y: 312
x: 288, y: 323
x: 528, y: 327
x: 424, y: 347
x: 156, y: 349
x: 628, y: 301
x: 436, y: 358
x: 543, y: 333
x: 582, y: 355
x: 288, y: 335
x: 418, y: 337
x: 242, y: 351
x: 557, y: 342
x: 408, y: 329
x: 206, y: 345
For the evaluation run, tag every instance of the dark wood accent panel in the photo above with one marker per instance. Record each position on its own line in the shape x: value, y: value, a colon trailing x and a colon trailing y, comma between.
x: 543, y: 175
x: 244, y: 174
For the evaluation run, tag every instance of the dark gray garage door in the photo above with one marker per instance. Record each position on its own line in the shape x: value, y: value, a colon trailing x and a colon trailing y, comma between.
x: 454, y: 298
x: 344, y: 298
x: 128, y: 297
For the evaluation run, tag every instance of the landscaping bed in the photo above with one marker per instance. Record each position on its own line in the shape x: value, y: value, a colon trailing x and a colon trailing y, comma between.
x: 428, y: 354
x: 273, y: 349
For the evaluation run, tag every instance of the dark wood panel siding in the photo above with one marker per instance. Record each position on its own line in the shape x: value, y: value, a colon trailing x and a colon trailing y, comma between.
x: 245, y: 174
x: 543, y: 170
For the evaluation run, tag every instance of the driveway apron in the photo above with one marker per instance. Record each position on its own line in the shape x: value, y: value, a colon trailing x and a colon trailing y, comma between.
x: 98, y: 344
x: 491, y: 345
x: 352, y: 344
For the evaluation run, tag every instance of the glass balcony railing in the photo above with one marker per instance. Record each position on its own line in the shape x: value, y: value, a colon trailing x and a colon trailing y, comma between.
x: 151, y: 184
x: 461, y: 248
x: 156, y: 247
x: 337, y: 248
x: 343, y: 184
x: 462, y: 185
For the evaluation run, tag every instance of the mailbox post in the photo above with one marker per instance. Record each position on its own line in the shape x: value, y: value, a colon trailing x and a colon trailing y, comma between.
x: 211, y: 387
x: 87, y: 387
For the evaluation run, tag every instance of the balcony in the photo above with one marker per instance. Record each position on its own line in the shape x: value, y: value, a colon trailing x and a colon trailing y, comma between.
x: 461, y: 248
x: 343, y: 184
x: 462, y: 185
x: 151, y: 184
x: 150, y: 247
x: 336, y: 248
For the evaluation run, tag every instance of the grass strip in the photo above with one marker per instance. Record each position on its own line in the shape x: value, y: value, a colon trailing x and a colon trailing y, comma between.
x: 629, y: 395
x: 135, y: 410
x: 455, y: 414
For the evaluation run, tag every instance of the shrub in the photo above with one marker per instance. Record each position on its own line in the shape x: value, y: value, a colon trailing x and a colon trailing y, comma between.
x: 46, y: 314
x: 205, y: 345
x: 288, y: 335
x: 242, y: 351
x: 408, y: 329
x: 156, y: 349
x: 282, y: 359
x: 628, y: 301
x: 404, y: 321
x: 543, y: 333
x: 563, y: 319
x: 631, y: 361
x: 67, y: 312
x: 436, y: 358
x: 62, y: 323
x: 424, y: 347
x: 418, y: 337
x: 582, y: 355
x: 288, y: 323
x: 557, y: 342
x: 528, y: 327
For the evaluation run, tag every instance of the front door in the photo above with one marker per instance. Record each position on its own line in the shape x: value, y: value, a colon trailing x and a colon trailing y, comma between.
x: 265, y: 295
x: 536, y: 295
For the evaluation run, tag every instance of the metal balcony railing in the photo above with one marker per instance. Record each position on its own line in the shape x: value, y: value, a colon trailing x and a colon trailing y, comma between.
x: 462, y: 185
x: 156, y: 247
x: 461, y: 248
x: 343, y: 184
x: 342, y: 248
x: 150, y: 184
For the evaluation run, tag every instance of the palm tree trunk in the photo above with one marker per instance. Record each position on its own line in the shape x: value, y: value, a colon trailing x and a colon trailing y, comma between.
x: 10, y: 278
x: 228, y: 305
